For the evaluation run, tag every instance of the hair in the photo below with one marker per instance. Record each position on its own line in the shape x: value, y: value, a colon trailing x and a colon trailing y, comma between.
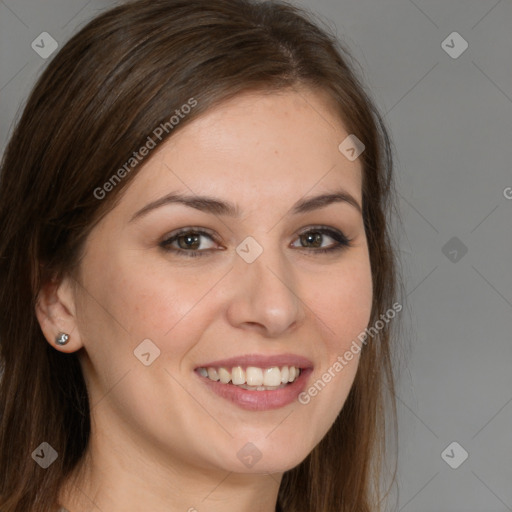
x: 98, y: 100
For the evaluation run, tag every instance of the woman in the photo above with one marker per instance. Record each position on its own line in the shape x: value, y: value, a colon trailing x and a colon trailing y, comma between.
x: 198, y: 276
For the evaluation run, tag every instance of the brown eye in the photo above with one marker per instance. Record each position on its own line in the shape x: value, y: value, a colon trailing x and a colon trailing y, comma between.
x: 190, y: 241
x: 187, y: 242
x: 313, y: 239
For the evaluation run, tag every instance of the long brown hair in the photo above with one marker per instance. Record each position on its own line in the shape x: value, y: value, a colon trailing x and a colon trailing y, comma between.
x: 107, y: 89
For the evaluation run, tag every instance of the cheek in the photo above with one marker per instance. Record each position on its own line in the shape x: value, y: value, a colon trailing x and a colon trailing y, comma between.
x: 343, y: 301
x: 156, y: 301
x: 342, y: 305
x: 147, y: 298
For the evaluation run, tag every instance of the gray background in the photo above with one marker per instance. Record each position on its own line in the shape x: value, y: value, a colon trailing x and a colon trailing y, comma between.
x: 451, y: 123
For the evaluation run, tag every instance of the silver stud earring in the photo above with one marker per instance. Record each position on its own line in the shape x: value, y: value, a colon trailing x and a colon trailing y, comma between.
x: 61, y: 338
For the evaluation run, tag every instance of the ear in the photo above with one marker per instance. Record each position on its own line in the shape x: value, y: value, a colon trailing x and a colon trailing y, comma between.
x: 56, y: 312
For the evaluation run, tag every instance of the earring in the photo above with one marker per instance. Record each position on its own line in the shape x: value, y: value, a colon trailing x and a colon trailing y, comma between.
x: 62, y: 338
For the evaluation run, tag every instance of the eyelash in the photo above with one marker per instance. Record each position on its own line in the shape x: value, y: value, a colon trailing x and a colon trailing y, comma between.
x: 342, y: 241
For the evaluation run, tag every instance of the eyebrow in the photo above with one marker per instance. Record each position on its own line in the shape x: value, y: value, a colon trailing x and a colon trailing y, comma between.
x: 215, y: 206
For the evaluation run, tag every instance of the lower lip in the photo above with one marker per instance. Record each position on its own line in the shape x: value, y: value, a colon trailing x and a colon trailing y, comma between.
x: 259, y: 400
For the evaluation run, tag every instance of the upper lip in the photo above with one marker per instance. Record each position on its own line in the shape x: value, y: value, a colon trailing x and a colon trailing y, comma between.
x: 261, y: 361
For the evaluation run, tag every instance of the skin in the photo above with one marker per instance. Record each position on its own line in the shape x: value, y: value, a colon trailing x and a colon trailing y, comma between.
x: 161, y: 440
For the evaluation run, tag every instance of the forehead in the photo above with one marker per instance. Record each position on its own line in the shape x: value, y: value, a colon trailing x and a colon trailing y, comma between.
x: 271, y: 146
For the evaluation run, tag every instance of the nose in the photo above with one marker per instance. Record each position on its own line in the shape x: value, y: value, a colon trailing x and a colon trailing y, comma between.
x: 265, y: 294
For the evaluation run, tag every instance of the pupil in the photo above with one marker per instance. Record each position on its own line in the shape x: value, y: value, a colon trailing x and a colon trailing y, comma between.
x: 315, y: 238
x: 191, y: 238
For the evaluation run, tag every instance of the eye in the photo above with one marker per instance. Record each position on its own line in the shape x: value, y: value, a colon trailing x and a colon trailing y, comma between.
x: 187, y: 241
x: 316, y: 235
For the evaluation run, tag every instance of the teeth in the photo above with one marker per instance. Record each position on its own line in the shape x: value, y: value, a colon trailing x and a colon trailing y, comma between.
x: 253, y: 377
x: 272, y: 376
x: 212, y: 374
x: 237, y: 375
x: 224, y: 375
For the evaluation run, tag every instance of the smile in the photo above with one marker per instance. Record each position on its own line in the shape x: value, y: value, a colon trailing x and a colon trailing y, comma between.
x: 256, y: 397
x: 252, y: 377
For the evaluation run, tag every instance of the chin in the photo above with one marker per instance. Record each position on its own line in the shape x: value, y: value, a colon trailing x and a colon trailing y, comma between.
x: 251, y: 460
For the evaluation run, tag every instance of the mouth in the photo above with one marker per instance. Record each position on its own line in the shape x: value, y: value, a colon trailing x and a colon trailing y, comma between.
x: 253, y: 378
x: 257, y: 383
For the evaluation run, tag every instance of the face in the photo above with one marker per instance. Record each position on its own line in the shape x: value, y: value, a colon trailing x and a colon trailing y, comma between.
x: 246, y: 281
